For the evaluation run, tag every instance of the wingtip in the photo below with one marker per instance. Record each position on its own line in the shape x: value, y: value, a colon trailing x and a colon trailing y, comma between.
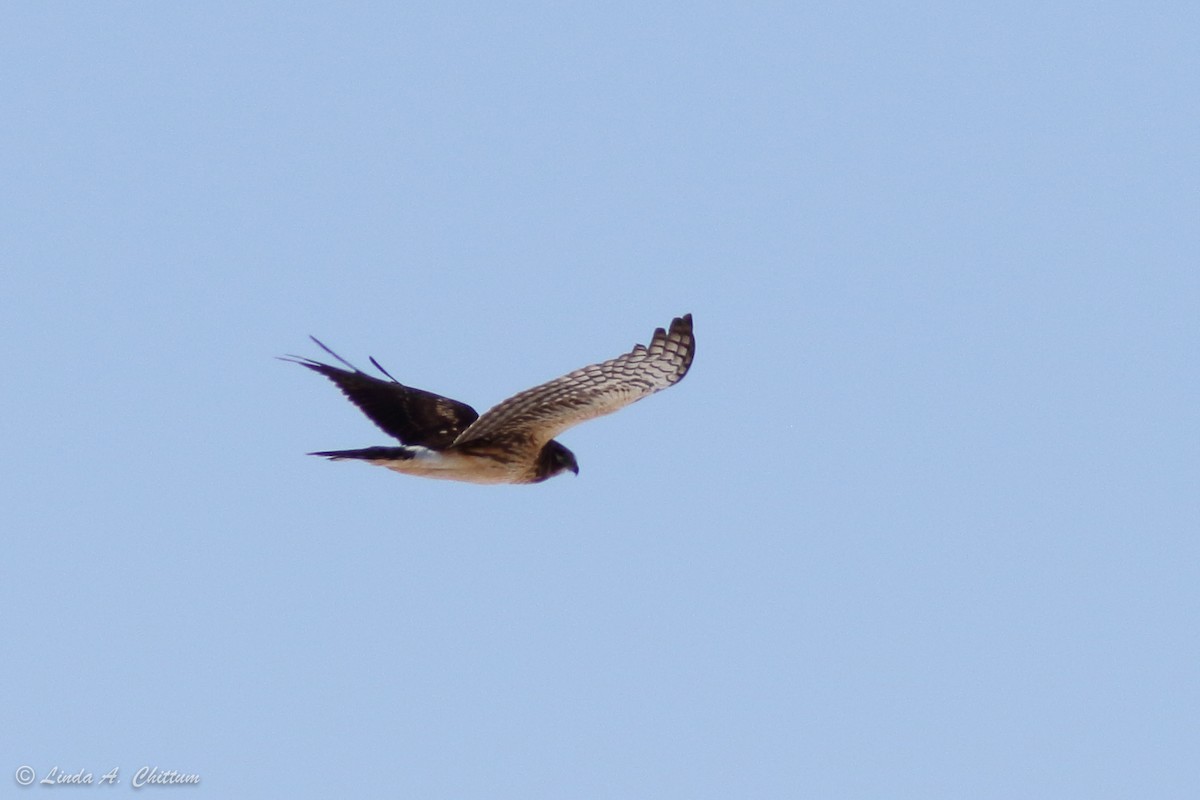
x: 324, y: 347
x: 379, y: 367
x: 681, y: 332
x: 301, y: 360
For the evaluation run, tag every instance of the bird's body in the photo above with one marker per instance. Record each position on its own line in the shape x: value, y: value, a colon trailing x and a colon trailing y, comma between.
x: 448, y: 464
x: 514, y: 441
x: 481, y: 464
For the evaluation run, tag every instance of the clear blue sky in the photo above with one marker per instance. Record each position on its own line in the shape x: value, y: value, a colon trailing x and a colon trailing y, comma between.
x: 922, y: 522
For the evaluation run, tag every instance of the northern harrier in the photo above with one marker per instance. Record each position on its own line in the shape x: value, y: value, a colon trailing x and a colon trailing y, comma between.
x: 513, y: 442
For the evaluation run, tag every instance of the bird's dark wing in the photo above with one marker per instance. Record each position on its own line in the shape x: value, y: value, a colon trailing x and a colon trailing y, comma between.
x: 411, y: 415
x: 539, y: 414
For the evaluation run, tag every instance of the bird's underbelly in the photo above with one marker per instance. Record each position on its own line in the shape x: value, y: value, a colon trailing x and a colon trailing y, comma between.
x: 452, y: 466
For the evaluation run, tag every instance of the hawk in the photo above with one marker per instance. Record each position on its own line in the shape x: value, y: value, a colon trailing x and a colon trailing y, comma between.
x: 514, y: 441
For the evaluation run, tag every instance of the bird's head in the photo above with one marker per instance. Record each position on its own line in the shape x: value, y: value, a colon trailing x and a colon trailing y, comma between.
x: 553, y: 459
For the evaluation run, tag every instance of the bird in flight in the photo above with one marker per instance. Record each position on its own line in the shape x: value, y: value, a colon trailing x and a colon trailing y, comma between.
x: 514, y: 441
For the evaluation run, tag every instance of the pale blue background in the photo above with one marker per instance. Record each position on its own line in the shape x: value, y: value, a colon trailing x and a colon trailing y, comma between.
x: 921, y: 523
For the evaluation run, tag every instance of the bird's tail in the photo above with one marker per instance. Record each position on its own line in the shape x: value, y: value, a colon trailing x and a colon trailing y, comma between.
x: 369, y: 454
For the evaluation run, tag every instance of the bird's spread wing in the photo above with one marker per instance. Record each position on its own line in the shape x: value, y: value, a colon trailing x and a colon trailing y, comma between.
x: 539, y: 414
x: 411, y: 415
